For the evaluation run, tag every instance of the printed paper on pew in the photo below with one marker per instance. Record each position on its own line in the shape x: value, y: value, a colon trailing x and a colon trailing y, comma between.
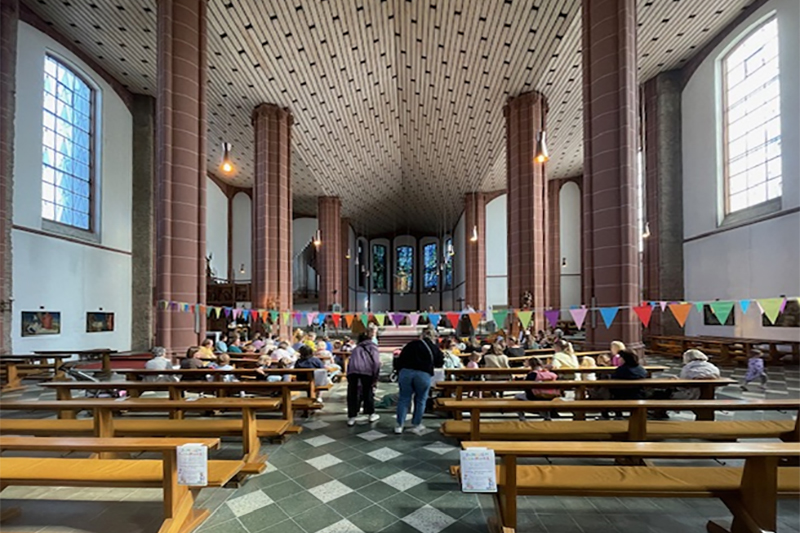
x: 438, y: 375
x: 193, y: 465
x: 478, y: 472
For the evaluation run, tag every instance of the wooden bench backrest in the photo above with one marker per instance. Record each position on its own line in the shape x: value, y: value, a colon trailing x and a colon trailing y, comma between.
x: 92, y: 445
x: 570, y: 384
x: 599, y: 405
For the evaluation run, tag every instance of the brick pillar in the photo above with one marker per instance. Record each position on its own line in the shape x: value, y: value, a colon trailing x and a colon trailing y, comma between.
x: 610, y: 262
x: 330, y: 252
x: 526, y: 194
x: 553, y: 244
x: 181, y: 169
x: 344, y: 289
x: 142, y: 221
x: 663, y: 250
x: 9, y: 18
x: 475, y: 253
x: 272, y: 210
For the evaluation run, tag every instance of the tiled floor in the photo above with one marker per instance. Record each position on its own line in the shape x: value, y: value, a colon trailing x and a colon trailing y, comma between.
x: 335, y: 479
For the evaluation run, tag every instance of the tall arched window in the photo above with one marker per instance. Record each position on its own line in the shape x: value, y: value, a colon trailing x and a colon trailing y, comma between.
x: 404, y: 272
x: 448, y: 263
x: 378, y: 268
x: 431, y: 267
x: 752, y: 119
x: 68, y: 147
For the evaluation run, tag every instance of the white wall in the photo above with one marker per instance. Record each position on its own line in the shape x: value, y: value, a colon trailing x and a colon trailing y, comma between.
x: 570, y: 243
x: 759, y: 260
x: 242, y: 231
x: 496, y: 252
x: 217, y: 229
x: 52, y: 273
x: 406, y: 302
x: 381, y: 301
x: 460, y: 265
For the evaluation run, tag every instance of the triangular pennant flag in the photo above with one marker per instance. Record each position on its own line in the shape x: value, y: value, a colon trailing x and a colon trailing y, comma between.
x: 200, y: 309
x: 310, y: 317
x: 298, y: 318
x: 745, y: 305
x: 227, y: 312
x: 475, y: 319
x: 552, y: 316
x: 499, y: 317
x: 609, y: 314
x: 434, y: 319
x: 783, y: 305
x: 722, y: 310
x: 348, y: 319
x: 246, y: 314
x: 365, y: 319
x: 218, y: 311
x: 397, y: 318
x: 524, y: 318
x: 336, y: 317
x: 286, y: 317
x: 209, y: 310
x: 663, y: 305
x: 413, y: 318
x: 680, y: 312
x: 453, y: 318
x: 579, y: 315
x: 273, y: 316
x: 380, y: 318
x: 267, y: 316
x: 699, y: 306
x: 321, y: 318
x: 644, y: 312
x: 236, y: 312
x: 771, y: 307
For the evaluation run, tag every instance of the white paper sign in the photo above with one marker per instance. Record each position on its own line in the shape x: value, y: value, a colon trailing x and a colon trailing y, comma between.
x: 438, y: 375
x: 320, y: 377
x: 193, y: 465
x: 478, y: 472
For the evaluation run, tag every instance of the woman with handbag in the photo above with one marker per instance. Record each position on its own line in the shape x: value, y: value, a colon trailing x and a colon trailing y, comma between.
x: 416, y: 363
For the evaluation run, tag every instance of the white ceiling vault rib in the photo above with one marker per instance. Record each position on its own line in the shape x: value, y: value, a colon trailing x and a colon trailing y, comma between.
x: 398, y: 104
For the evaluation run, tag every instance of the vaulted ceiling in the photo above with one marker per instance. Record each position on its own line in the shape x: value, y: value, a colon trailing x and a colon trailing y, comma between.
x: 398, y: 104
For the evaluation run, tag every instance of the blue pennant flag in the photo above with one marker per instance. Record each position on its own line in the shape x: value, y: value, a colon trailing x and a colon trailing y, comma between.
x: 434, y: 318
x: 321, y: 318
x: 745, y: 305
x: 609, y: 314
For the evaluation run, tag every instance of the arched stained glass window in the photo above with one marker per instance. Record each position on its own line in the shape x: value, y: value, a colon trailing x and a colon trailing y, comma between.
x: 752, y: 119
x: 68, y: 147
x: 404, y: 273
x: 431, y: 267
x: 448, y: 264
x: 379, y: 268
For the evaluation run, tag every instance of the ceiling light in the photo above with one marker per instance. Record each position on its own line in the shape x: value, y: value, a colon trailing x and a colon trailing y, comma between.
x: 241, y: 269
x: 317, y: 238
x: 542, y: 154
x: 226, y: 166
x: 563, y: 262
x: 474, y: 237
x: 347, y: 255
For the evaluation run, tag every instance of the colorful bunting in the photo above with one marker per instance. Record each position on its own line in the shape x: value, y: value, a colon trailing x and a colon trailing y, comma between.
x: 771, y: 307
x: 365, y: 319
x: 336, y: 317
x: 745, y: 305
x: 552, y: 316
x: 644, y: 312
x: 475, y: 319
x: 380, y: 318
x: 579, y: 315
x: 434, y: 319
x: 500, y: 317
x: 699, y: 306
x: 348, y: 319
x: 285, y: 317
x: 663, y: 306
x: 453, y: 318
x: 321, y: 318
x: 722, y: 310
x: 413, y: 318
x: 681, y: 312
x: 609, y: 314
x: 524, y: 318
x: 397, y: 318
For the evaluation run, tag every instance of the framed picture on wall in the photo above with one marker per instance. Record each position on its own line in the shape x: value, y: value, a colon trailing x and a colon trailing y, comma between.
x: 35, y: 323
x: 789, y: 318
x: 710, y: 319
x: 97, y: 322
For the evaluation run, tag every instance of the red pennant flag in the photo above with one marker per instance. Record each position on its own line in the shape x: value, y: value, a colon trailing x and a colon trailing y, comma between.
x: 348, y: 319
x: 680, y: 312
x: 475, y: 319
x: 644, y: 312
x: 453, y: 318
x: 336, y: 319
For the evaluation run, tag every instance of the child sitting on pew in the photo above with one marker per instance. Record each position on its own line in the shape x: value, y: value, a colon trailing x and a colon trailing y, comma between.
x: 539, y: 372
x: 586, y: 363
x: 223, y: 364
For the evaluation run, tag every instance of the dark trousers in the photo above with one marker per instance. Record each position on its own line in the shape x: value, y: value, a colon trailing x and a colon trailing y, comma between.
x: 354, y: 396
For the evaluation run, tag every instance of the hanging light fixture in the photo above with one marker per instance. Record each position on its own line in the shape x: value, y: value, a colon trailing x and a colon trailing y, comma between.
x: 347, y: 255
x: 541, y: 155
x: 563, y: 262
x: 317, y: 238
x: 474, y: 237
x: 226, y: 166
x: 241, y: 269
x: 646, y: 233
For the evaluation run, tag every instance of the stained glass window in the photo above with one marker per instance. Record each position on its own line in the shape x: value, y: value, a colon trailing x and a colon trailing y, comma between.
x: 752, y: 119
x: 404, y: 280
x: 68, y: 147
x: 378, y: 268
x: 431, y: 270
x: 448, y: 264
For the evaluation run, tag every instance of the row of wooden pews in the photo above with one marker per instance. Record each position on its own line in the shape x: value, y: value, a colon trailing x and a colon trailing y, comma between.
x: 725, y: 350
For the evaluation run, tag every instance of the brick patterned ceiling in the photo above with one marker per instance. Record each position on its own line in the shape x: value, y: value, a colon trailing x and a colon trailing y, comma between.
x: 398, y: 104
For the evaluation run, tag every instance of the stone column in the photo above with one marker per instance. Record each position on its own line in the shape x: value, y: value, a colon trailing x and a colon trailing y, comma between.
x: 553, y: 244
x: 143, y: 110
x: 329, y: 254
x: 526, y: 208
x: 344, y: 289
x: 663, y: 250
x: 9, y: 18
x: 181, y: 170
x: 475, y: 252
x: 272, y: 210
x: 611, y: 262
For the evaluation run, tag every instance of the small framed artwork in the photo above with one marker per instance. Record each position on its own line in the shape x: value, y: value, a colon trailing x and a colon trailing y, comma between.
x: 35, y: 323
x: 97, y: 322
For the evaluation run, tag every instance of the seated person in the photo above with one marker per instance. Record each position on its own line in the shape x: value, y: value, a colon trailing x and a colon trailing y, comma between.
x: 451, y: 360
x: 616, y: 347
x: 539, y: 372
x: 695, y: 366
x: 207, y: 350
x: 285, y: 362
x: 236, y: 344
x: 224, y: 364
x: 630, y: 369
x: 258, y: 342
x: 160, y: 361
x: 586, y: 363
x: 222, y: 343
x: 348, y: 344
x: 565, y: 356
x: 603, y: 360
x: 307, y: 359
x: 192, y: 362
x: 514, y: 349
x: 324, y: 355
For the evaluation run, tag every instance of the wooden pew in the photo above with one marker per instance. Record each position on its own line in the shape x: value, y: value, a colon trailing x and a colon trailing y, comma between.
x: 724, y: 350
x: 750, y: 493
x: 36, y: 365
x: 707, y: 387
x: 9, y: 372
x: 456, y: 373
x: 103, y: 424
x: 180, y: 515
x: 636, y: 428
x: 176, y: 390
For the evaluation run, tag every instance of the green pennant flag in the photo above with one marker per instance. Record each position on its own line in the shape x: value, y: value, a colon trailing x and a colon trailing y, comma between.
x: 273, y: 316
x: 722, y: 310
x: 771, y: 307
x: 524, y: 318
x: 365, y: 319
x: 286, y: 317
x: 500, y: 318
x: 381, y: 318
x: 699, y: 306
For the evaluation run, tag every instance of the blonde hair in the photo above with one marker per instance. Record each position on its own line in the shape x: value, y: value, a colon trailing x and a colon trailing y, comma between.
x: 588, y: 362
x: 321, y: 345
x: 475, y: 356
x: 619, y: 345
x: 224, y: 359
x: 603, y: 360
x: 264, y: 360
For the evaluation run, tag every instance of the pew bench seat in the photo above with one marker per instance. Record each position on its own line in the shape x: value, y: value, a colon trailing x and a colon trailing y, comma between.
x: 618, y: 430
x: 135, y: 473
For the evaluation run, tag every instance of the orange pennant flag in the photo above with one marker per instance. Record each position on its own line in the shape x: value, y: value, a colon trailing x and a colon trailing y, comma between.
x: 680, y: 312
x: 475, y: 319
x: 348, y: 319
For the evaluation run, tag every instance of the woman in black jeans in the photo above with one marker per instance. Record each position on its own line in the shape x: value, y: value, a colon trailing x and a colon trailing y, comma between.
x: 362, y: 373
